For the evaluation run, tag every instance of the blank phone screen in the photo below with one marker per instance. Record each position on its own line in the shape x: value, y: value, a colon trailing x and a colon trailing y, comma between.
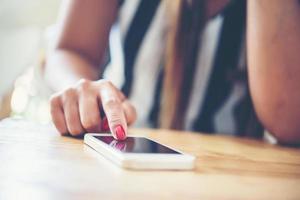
x: 136, y: 145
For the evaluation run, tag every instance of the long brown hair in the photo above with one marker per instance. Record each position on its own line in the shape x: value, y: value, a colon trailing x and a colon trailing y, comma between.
x: 187, y: 20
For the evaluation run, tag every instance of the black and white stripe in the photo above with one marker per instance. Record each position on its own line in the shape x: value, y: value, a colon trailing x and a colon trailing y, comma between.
x: 220, y: 100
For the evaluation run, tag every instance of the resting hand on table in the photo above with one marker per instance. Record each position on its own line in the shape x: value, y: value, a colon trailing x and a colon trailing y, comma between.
x: 77, y: 109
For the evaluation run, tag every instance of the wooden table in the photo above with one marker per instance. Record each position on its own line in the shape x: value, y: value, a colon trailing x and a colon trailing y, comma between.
x: 37, y: 163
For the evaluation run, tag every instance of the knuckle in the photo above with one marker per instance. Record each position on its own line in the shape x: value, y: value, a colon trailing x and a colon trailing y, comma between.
x: 106, y: 83
x: 84, y: 85
x: 68, y: 93
x: 87, y: 97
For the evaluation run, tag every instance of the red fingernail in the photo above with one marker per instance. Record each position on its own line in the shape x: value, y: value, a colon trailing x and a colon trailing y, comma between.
x: 120, y: 133
x: 105, y: 126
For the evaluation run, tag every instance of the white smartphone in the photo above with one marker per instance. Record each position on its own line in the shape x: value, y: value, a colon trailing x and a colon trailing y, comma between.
x: 139, y: 153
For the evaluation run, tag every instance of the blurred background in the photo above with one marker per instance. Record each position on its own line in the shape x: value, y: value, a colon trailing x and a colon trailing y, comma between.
x: 24, y: 35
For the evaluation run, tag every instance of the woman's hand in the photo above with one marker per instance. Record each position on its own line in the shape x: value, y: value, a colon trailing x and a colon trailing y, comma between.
x: 77, y: 109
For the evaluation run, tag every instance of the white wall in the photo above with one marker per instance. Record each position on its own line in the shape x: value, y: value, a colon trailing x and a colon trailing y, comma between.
x: 22, y: 24
x: 17, y: 13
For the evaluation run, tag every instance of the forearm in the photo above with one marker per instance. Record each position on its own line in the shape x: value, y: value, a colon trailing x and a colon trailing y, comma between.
x: 83, y: 32
x: 273, y: 42
x: 66, y: 67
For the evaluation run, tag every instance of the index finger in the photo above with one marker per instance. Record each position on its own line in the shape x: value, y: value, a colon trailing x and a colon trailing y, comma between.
x: 112, y: 106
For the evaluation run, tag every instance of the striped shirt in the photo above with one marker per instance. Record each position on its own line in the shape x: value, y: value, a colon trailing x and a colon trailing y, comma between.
x: 220, y: 101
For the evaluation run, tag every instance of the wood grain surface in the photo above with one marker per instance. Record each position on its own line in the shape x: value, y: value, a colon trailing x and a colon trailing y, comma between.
x: 37, y: 163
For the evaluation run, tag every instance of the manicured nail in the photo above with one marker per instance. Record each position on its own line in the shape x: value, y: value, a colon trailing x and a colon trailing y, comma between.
x: 105, y: 126
x: 120, y: 133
